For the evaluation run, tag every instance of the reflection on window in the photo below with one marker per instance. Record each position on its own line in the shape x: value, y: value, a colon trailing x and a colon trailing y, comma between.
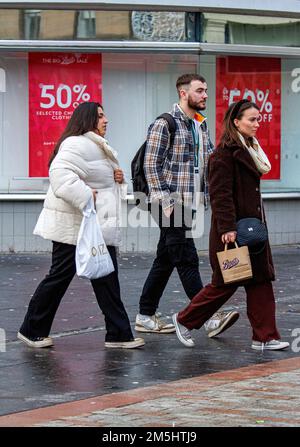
x: 10, y: 24
x: 148, y: 26
x: 56, y: 26
x: 2, y: 80
x: 285, y: 33
x: 113, y: 25
x: 158, y: 25
x: 85, y: 27
x: 98, y: 25
x: 31, y: 24
x: 251, y: 30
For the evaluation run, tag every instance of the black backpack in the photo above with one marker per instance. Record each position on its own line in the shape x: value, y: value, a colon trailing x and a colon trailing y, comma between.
x: 139, y: 181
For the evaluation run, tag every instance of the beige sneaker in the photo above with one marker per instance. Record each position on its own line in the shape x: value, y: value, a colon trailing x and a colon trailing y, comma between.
x: 145, y: 323
x: 219, y: 322
x: 183, y: 334
x: 37, y: 342
x: 273, y: 345
x: 136, y: 343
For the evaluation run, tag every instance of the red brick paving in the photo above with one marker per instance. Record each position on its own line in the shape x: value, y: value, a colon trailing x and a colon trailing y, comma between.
x: 268, y: 394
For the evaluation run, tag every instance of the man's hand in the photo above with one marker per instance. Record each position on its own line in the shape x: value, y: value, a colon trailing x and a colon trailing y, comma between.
x: 168, y: 211
x: 229, y: 237
x: 118, y: 175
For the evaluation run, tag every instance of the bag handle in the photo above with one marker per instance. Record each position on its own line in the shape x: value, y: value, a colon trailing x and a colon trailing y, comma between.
x: 226, y: 245
x: 89, y: 208
x: 262, y: 208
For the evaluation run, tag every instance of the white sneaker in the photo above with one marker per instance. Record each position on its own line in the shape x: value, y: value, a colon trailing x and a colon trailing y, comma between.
x: 135, y: 343
x: 272, y: 345
x: 146, y: 323
x: 219, y: 322
x: 37, y: 342
x: 183, y: 333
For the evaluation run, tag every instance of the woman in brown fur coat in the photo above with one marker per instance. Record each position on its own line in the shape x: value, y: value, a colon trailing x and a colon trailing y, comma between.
x: 235, y: 169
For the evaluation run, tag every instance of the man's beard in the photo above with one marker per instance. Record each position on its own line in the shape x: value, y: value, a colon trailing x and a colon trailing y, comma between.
x: 195, y: 106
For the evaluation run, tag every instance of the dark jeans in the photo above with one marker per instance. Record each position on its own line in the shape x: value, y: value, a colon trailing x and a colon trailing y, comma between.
x: 174, y: 250
x: 47, y: 297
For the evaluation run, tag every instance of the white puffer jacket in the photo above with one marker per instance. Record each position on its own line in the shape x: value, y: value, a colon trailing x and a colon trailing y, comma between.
x: 83, y: 163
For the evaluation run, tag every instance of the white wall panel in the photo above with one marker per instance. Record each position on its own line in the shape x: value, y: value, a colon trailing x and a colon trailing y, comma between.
x: 136, y: 89
x: 14, y: 120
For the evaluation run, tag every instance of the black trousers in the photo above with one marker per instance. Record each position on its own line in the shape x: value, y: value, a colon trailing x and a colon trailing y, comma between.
x: 174, y: 250
x: 47, y: 297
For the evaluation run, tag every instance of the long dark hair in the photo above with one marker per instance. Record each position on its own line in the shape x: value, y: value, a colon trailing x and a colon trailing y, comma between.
x: 84, y: 118
x: 236, y: 110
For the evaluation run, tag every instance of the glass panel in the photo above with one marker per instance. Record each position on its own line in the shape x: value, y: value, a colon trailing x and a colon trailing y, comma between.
x: 141, y: 86
x: 10, y: 24
x: 290, y: 131
x: 148, y: 26
x: 287, y: 34
x: 113, y: 25
x: 86, y: 25
x: 146, y: 85
x: 96, y: 25
x: 57, y: 25
x: 274, y: 85
x: 31, y: 20
x: 155, y: 26
x: 250, y: 30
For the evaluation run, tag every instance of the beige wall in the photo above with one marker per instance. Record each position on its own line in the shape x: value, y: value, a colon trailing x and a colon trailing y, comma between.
x: 9, y: 24
x: 115, y: 25
x: 57, y: 25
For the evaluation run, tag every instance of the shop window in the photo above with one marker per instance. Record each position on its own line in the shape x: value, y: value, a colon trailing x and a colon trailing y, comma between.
x: 145, y: 85
x: 282, y: 33
x: 85, y: 25
x: 31, y: 24
x: 10, y: 24
x: 2, y: 81
x: 250, y: 30
x: 157, y: 26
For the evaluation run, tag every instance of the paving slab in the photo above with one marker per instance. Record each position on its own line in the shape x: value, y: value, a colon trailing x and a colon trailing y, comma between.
x: 266, y: 395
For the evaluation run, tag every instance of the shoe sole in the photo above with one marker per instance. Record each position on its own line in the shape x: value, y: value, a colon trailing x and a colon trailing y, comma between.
x: 259, y: 348
x: 123, y: 346
x: 179, y: 336
x: 226, y: 325
x: 35, y: 344
x: 154, y: 331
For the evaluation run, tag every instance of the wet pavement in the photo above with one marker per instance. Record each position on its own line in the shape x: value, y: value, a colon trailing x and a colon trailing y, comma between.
x: 79, y: 367
x: 262, y: 395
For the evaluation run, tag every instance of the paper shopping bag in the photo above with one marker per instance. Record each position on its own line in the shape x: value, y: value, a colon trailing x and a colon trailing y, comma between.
x: 235, y: 264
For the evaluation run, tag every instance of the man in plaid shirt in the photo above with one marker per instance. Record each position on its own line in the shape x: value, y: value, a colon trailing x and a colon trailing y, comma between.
x: 177, y: 180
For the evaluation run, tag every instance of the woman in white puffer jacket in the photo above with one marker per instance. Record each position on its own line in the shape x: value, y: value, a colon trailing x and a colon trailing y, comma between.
x: 82, y: 166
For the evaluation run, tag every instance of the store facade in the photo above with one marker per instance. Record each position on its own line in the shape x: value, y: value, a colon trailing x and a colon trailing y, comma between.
x: 52, y: 59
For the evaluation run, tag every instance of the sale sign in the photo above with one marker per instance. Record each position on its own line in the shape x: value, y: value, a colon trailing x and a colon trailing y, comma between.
x: 58, y: 83
x: 259, y: 80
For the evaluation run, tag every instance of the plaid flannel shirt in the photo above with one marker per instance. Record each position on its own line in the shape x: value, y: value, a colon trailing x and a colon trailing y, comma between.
x: 170, y: 171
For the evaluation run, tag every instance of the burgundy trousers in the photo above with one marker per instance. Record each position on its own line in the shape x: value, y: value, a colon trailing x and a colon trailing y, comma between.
x: 260, y: 308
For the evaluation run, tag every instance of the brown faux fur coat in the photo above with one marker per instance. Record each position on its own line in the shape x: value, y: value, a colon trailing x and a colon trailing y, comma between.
x: 234, y: 187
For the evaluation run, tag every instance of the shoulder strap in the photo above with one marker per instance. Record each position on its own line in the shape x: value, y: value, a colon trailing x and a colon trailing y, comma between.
x: 204, y: 124
x: 171, y: 124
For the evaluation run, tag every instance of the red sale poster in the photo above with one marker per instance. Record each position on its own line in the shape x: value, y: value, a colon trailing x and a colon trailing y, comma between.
x: 259, y: 80
x: 58, y: 82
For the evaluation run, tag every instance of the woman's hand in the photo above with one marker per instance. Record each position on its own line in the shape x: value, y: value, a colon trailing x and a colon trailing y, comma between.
x: 228, y: 237
x: 95, y: 192
x: 168, y: 211
x: 118, y: 175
